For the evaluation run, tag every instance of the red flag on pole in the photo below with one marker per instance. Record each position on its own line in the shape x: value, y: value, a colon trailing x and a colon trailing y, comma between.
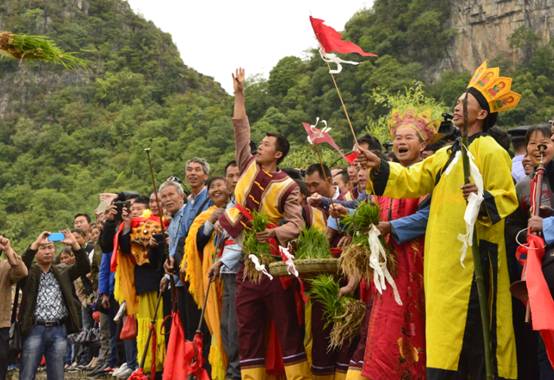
x: 331, y: 41
x: 320, y: 136
x: 351, y: 157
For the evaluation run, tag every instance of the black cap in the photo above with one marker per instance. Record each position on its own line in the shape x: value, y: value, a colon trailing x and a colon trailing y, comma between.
x: 492, y: 117
x: 517, y: 132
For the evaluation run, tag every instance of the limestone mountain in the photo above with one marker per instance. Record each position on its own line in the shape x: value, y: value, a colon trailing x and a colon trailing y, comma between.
x: 486, y: 29
x: 66, y: 135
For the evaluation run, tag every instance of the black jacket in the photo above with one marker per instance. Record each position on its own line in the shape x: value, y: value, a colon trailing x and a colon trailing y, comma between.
x: 107, y: 235
x: 65, y: 275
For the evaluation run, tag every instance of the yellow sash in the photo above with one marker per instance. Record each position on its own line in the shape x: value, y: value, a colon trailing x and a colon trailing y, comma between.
x: 124, y: 287
x: 196, y: 273
x: 261, y: 191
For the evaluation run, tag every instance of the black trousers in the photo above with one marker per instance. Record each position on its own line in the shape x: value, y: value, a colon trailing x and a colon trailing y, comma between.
x: 4, y: 334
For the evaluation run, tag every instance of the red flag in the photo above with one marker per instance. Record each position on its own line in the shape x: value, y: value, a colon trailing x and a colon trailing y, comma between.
x: 320, y: 136
x: 175, y: 366
x: 351, y: 157
x: 540, y: 300
x: 331, y: 41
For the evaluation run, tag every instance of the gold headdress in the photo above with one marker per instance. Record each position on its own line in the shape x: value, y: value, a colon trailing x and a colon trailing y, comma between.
x: 496, y: 91
x: 425, y: 119
x: 408, y: 108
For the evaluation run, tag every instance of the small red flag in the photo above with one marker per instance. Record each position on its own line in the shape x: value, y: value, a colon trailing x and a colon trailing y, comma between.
x: 320, y: 136
x: 351, y: 157
x: 331, y: 41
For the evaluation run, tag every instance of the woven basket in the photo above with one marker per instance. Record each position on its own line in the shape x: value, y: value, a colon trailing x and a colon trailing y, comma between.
x: 306, y: 267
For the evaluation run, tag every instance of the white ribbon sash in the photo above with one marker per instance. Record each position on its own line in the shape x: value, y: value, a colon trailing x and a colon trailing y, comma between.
x: 378, y: 262
x: 333, y: 58
x: 291, y: 268
x: 259, y: 266
x: 473, y: 204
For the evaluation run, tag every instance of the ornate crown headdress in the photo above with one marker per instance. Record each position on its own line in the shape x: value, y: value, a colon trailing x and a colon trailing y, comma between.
x: 495, y: 90
x: 425, y: 119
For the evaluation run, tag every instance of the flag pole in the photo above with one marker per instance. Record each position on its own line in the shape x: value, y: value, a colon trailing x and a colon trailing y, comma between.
x: 478, y: 268
x: 343, y: 105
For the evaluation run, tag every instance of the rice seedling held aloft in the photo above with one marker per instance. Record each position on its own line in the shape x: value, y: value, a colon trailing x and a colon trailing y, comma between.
x: 24, y: 46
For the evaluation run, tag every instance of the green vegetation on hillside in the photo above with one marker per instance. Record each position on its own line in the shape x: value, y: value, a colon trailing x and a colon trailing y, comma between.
x: 66, y: 136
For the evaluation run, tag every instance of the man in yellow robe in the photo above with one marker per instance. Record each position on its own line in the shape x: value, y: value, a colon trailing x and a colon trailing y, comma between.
x: 453, y: 326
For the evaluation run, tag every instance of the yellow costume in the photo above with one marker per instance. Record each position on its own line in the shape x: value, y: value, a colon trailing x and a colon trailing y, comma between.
x: 447, y: 284
x: 145, y: 314
x: 196, y: 267
x: 141, y: 306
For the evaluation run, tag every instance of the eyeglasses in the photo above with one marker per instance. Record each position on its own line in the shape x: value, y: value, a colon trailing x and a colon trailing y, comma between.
x: 174, y: 179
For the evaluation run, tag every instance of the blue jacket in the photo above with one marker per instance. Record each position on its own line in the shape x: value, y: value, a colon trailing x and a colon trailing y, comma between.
x: 106, y: 278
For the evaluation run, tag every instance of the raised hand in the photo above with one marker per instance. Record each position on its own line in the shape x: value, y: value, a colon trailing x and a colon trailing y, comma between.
x: 111, y: 212
x: 367, y: 159
x: 41, y: 239
x: 70, y: 240
x: 238, y: 81
x: 5, y: 244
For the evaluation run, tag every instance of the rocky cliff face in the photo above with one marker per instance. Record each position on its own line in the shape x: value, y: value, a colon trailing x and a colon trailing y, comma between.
x: 483, y: 28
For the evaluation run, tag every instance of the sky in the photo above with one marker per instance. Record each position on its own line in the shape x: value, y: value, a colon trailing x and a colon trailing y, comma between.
x: 216, y: 36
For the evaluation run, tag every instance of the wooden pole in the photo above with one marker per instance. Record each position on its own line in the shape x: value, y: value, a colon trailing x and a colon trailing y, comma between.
x: 478, y: 269
x: 343, y: 105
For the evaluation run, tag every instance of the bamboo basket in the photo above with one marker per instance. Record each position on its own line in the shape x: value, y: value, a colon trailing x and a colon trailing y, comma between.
x: 306, y: 267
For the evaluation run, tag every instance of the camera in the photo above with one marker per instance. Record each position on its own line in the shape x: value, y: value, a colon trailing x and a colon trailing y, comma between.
x: 120, y: 205
x: 446, y: 127
x: 123, y: 200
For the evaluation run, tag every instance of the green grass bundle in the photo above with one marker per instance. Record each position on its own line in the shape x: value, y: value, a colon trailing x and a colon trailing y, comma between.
x: 354, y: 260
x: 24, y: 46
x: 366, y: 214
x: 251, y: 246
x: 312, y: 244
x: 345, y: 314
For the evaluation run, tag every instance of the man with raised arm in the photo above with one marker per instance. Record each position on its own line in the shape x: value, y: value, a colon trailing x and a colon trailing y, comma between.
x: 264, y: 188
